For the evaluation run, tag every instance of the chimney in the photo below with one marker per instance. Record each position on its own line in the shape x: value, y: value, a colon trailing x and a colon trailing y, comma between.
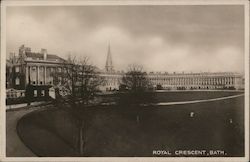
x: 22, y: 50
x: 44, y: 52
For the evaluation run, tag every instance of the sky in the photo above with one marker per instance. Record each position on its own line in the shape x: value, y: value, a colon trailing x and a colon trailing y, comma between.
x: 193, y: 38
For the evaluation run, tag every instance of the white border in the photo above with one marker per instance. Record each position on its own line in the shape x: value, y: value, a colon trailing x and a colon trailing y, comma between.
x: 4, y: 4
x: 247, y: 60
x: 2, y: 88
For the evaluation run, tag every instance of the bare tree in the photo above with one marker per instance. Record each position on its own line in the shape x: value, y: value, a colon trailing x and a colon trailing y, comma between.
x: 139, y: 89
x: 89, y: 80
x: 136, y: 79
x: 82, y: 80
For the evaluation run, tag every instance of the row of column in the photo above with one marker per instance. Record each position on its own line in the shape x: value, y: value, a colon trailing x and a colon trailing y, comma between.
x: 38, y: 75
x: 34, y: 75
x: 195, y: 81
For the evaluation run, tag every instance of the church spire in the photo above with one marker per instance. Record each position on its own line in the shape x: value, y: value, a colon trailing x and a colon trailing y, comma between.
x: 109, y: 64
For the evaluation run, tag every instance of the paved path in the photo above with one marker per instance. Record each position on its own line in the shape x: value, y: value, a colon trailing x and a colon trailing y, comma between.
x: 191, y: 102
x: 14, y: 146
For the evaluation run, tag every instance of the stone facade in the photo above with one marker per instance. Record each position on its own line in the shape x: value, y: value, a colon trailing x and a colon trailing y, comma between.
x: 37, y: 68
x: 183, y: 81
x: 177, y: 81
x: 31, y: 68
x: 223, y: 80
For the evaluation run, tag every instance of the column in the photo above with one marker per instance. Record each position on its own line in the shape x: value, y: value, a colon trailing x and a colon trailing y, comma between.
x: 45, y: 75
x: 37, y: 77
x: 52, y: 77
x: 27, y: 74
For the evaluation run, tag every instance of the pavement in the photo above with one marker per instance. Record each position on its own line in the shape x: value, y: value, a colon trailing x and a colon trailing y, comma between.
x: 14, y: 146
x: 195, y: 101
x: 23, y: 105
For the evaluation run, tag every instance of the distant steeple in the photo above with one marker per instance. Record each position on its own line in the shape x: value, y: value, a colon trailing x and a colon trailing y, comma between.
x: 109, y: 64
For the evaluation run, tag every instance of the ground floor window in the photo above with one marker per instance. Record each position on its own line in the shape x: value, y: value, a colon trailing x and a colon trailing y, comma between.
x: 42, y: 93
x: 17, y: 81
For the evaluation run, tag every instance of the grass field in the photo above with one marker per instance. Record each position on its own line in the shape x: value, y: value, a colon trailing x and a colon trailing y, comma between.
x: 173, y: 96
x: 112, y: 131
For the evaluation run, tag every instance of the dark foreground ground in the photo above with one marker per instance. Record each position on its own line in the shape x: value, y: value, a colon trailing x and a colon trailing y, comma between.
x: 113, y: 131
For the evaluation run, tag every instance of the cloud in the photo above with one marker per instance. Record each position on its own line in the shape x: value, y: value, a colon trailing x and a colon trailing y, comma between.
x: 166, y: 40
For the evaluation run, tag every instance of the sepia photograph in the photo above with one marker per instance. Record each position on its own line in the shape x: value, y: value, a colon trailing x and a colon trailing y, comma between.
x: 140, y: 79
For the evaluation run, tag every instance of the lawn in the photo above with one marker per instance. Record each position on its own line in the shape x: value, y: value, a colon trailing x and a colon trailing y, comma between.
x: 173, y: 96
x: 114, y: 131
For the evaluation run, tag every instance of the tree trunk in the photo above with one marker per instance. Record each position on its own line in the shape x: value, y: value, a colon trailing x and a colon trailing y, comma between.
x: 81, y: 138
x: 137, y: 119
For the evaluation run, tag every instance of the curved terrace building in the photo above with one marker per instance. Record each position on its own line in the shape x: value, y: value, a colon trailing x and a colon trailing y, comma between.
x: 36, y: 68
x: 183, y: 81
x: 177, y: 81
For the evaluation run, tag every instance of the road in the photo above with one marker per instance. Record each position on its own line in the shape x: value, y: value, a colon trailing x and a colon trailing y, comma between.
x: 14, y: 146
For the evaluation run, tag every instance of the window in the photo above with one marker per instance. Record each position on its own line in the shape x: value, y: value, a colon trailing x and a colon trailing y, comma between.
x: 35, y: 93
x: 42, y: 93
x: 17, y: 69
x: 60, y: 79
x: 17, y: 81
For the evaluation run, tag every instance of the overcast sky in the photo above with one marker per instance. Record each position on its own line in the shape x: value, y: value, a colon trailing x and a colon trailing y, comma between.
x: 161, y: 38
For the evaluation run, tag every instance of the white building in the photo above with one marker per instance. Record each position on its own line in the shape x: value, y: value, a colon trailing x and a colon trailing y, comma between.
x: 177, y: 81
x: 36, y: 68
